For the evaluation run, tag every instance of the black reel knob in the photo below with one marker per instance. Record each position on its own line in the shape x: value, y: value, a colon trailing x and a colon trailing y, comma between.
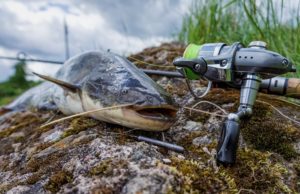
x: 228, y: 143
x: 198, y: 65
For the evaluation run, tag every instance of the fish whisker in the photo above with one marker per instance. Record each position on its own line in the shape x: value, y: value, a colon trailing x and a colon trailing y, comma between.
x: 84, y: 113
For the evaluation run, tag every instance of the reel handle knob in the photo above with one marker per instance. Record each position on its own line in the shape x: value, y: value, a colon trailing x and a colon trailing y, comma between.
x: 228, y: 142
x: 197, y: 65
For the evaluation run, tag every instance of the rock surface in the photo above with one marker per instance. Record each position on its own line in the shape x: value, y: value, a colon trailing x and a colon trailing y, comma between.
x: 83, y: 155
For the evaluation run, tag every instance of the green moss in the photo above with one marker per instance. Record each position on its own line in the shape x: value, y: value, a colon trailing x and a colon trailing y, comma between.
x: 193, y: 151
x: 297, y: 168
x: 265, y: 131
x: 80, y: 124
x: 43, y: 146
x: 17, y: 126
x: 4, y: 188
x: 47, y: 164
x: 32, y: 165
x: 199, y: 178
x: 57, y: 180
x: 35, y: 177
x: 4, y: 165
x: 122, y: 138
x: 256, y: 170
x: 202, y: 118
x: 19, y: 139
x: 217, y: 96
x: 222, y: 96
x: 106, y: 167
x: 103, y: 168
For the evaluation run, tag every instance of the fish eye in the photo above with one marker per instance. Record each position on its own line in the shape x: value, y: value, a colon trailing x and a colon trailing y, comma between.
x: 124, y: 91
x: 149, y: 98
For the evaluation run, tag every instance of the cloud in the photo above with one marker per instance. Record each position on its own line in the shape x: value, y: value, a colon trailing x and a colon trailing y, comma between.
x: 141, y: 18
x: 36, y: 27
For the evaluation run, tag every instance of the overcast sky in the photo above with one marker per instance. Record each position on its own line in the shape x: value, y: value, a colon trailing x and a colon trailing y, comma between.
x: 124, y: 26
x: 36, y: 27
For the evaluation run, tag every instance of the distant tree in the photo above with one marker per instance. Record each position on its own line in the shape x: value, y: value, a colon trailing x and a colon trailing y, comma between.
x: 15, y: 85
x: 19, y: 78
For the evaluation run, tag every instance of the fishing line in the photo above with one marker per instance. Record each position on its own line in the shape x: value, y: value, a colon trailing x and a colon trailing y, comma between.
x: 279, y: 99
x: 52, y: 117
x: 203, y: 111
x: 145, y: 63
x: 219, y: 115
x: 292, y: 94
x: 211, y: 103
x: 292, y: 103
x: 85, y: 113
x: 281, y: 113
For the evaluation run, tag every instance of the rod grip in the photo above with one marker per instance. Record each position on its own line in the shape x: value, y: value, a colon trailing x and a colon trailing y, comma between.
x: 293, y: 88
x: 289, y: 87
x: 228, y: 142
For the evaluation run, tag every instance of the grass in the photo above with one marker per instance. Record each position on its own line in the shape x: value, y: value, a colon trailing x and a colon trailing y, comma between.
x: 245, y: 21
x: 15, y: 85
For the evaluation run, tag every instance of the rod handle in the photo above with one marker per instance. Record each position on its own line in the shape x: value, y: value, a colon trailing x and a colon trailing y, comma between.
x: 293, y: 88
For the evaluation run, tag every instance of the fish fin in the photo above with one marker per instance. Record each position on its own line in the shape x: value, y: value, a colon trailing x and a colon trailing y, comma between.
x: 4, y: 110
x: 63, y: 84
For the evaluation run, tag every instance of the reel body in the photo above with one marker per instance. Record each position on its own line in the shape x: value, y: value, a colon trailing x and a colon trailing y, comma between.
x: 242, y: 67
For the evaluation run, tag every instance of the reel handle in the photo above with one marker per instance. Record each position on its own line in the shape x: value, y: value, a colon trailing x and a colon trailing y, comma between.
x: 197, y: 65
x: 228, y: 142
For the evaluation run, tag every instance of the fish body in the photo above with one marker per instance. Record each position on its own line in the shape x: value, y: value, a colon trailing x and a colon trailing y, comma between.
x: 98, y: 79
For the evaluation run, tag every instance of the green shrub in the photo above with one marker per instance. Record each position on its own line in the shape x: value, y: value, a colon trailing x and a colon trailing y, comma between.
x: 15, y: 85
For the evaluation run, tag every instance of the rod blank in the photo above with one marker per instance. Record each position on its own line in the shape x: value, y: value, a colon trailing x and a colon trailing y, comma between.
x: 163, y: 73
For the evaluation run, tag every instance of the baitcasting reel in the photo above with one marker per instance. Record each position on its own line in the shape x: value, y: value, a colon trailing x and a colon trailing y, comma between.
x: 238, y: 66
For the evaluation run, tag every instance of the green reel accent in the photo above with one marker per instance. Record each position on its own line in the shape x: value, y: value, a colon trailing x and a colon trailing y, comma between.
x: 191, y: 52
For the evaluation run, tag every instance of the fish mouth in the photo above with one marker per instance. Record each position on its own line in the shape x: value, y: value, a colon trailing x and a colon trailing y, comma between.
x: 149, y: 118
x: 160, y: 112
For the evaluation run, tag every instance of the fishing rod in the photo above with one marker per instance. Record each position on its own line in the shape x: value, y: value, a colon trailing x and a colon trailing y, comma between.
x: 277, y: 85
x: 23, y: 58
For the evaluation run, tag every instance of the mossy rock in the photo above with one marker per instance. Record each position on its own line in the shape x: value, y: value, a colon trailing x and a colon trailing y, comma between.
x: 259, y: 172
x: 193, y: 151
x: 35, y: 177
x: 106, y: 167
x: 254, y: 172
x: 267, y: 131
x: 57, y: 180
x: 199, y: 178
x: 80, y: 124
x: 18, y: 122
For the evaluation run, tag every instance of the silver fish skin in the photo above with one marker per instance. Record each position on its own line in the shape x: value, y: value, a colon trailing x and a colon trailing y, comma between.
x: 104, y: 79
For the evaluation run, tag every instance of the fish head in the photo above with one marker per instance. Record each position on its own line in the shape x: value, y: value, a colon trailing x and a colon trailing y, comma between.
x: 116, y: 81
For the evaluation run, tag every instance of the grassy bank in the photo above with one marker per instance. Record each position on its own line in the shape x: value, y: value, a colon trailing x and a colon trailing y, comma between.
x: 15, y: 85
x: 243, y: 21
